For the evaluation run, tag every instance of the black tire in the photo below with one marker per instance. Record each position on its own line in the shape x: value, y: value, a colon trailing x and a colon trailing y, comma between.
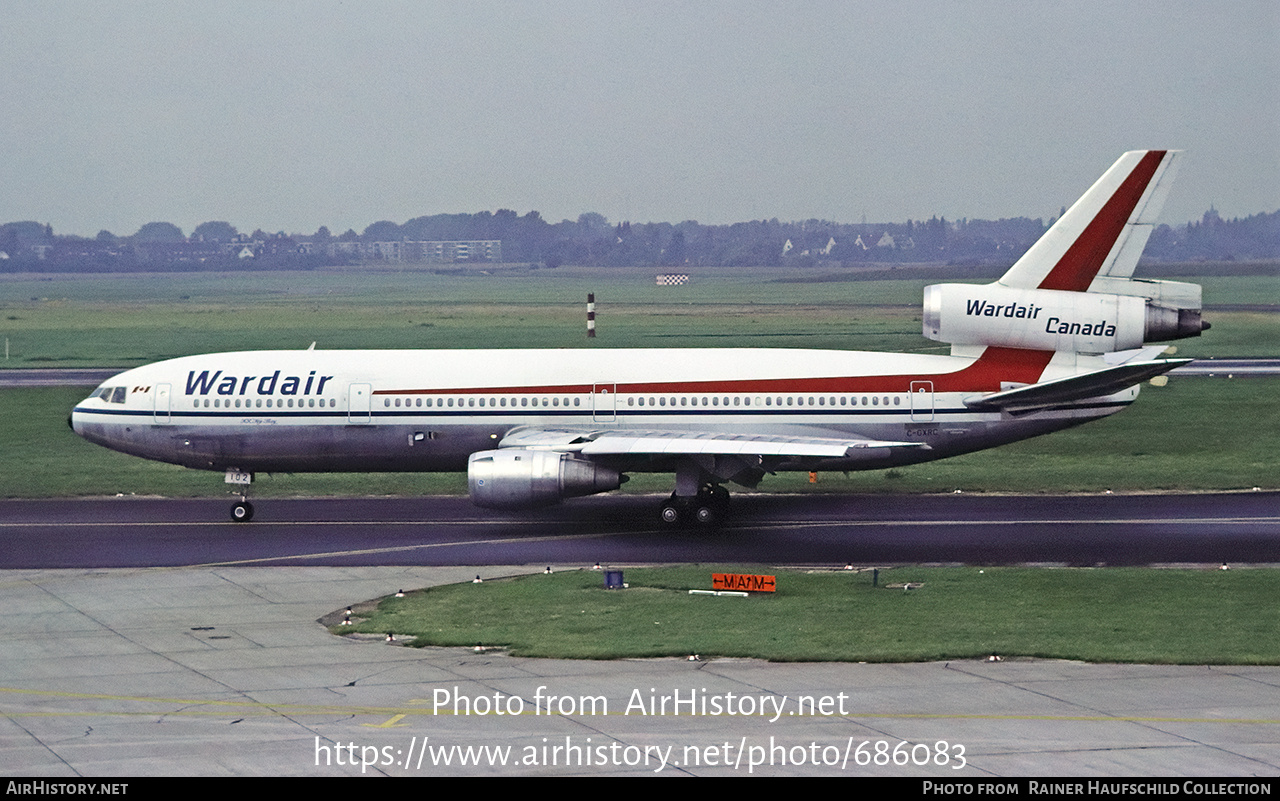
x: 242, y: 512
x: 671, y: 515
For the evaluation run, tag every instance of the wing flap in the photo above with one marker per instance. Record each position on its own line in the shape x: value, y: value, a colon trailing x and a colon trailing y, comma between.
x: 614, y: 442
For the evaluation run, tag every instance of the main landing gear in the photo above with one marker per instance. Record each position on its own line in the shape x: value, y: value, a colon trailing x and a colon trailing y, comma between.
x: 708, y: 509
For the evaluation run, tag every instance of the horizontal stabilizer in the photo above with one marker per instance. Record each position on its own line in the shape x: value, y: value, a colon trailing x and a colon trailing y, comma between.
x: 1073, y: 388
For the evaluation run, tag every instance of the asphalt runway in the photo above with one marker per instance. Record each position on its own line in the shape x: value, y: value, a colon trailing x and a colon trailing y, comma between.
x: 770, y: 529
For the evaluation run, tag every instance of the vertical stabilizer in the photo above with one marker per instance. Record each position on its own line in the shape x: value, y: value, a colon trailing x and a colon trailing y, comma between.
x: 1074, y: 289
x: 1104, y: 232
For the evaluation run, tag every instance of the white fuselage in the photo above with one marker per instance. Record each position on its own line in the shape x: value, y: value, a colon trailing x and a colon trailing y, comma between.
x: 413, y: 410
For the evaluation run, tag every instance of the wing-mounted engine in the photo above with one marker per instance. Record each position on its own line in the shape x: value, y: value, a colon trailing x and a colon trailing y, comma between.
x: 1123, y: 317
x: 516, y: 478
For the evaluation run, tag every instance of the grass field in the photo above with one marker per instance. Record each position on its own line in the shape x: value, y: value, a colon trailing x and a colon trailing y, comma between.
x: 1096, y: 615
x: 1196, y: 433
x: 134, y: 319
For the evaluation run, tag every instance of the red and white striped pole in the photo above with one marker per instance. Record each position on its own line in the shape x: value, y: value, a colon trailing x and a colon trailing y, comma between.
x: 591, y: 315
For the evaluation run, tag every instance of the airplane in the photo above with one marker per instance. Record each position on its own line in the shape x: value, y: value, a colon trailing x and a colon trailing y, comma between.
x: 1062, y: 338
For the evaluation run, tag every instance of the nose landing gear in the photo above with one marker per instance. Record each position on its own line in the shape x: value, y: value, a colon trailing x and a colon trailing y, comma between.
x: 241, y: 511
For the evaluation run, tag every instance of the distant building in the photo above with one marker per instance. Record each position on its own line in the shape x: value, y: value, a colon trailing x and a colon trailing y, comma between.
x: 423, y: 252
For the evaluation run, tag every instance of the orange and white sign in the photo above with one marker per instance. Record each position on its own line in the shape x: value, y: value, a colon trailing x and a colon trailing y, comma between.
x: 743, y: 582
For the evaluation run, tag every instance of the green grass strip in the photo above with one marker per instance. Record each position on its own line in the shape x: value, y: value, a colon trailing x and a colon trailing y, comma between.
x: 1135, y: 615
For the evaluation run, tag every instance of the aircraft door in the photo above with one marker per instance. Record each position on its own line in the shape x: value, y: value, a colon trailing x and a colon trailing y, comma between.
x: 162, y: 399
x: 921, y: 401
x: 604, y: 404
x: 359, y: 404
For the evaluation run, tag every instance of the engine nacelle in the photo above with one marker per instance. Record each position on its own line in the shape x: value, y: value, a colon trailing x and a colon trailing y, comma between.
x: 521, y: 479
x: 1049, y: 319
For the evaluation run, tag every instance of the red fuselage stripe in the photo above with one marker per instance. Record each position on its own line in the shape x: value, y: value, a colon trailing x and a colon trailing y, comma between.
x: 996, y: 365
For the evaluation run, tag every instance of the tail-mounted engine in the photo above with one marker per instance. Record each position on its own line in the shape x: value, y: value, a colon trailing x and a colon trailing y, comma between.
x: 1119, y: 314
x: 521, y: 479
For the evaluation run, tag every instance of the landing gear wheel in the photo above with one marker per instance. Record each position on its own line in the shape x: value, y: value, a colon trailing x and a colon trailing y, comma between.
x: 242, y: 512
x: 711, y: 506
x: 707, y: 515
x: 671, y: 514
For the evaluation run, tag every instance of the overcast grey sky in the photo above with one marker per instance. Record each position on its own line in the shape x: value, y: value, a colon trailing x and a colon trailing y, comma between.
x: 289, y: 116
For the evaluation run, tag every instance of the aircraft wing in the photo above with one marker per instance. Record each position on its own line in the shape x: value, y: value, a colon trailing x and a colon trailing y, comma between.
x: 1073, y: 388
x: 634, y: 442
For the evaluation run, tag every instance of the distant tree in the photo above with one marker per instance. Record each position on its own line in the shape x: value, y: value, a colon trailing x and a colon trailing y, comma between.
x: 592, y: 225
x: 215, y: 232
x: 349, y: 236
x: 29, y: 233
x: 382, y: 231
x: 676, y: 250
x: 159, y: 232
x: 106, y: 237
x: 322, y: 234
